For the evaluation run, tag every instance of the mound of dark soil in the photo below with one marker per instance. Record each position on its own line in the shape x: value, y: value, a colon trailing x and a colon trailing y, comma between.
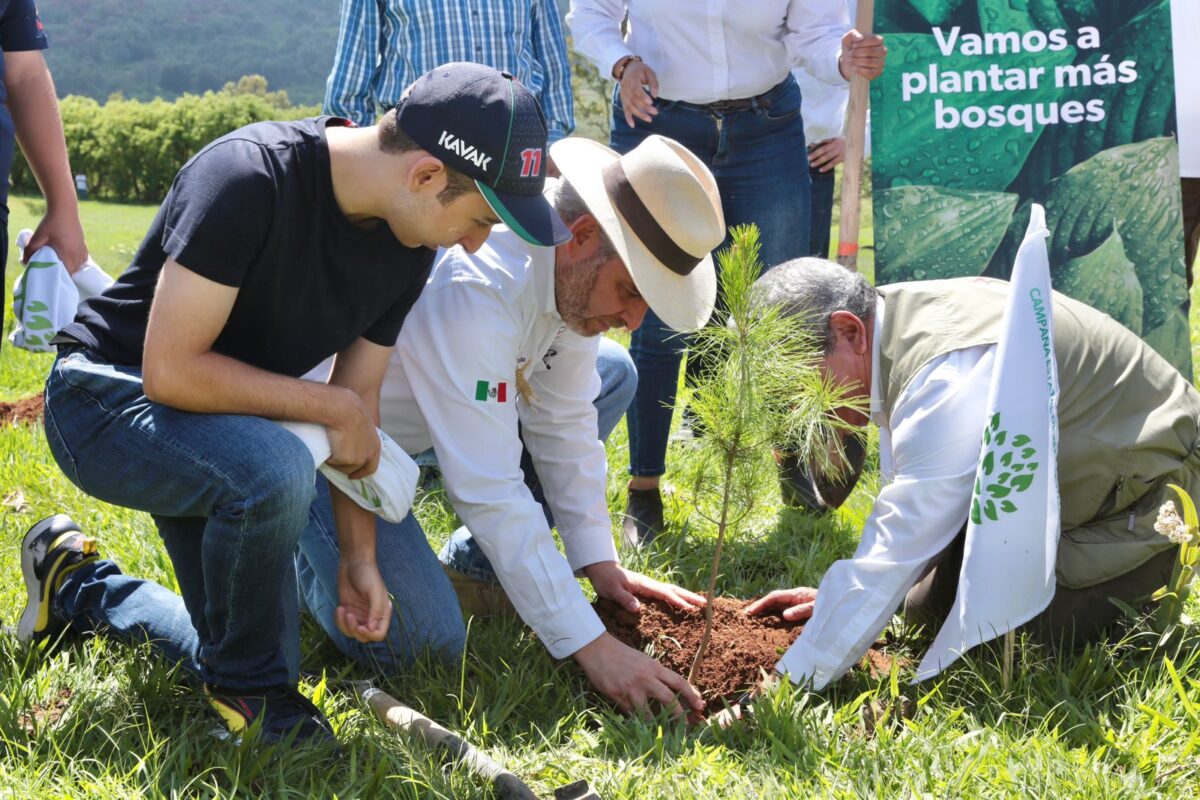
x: 741, y: 647
x: 25, y: 411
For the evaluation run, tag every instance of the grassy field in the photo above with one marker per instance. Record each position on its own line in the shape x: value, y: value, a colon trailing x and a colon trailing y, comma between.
x: 99, y: 719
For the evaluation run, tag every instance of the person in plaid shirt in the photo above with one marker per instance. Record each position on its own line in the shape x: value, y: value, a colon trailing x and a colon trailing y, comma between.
x: 383, y: 45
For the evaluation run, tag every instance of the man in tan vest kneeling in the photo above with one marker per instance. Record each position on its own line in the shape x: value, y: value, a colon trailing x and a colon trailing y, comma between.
x: 921, y: 355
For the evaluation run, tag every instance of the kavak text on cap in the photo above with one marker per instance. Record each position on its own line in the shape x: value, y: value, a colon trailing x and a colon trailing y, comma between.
x: 487, y: 125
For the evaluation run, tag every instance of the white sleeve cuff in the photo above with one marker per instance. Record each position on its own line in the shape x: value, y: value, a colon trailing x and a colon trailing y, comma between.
x: 611, y: 56
x: 592, y: 546
x: 801, y: 667
x: 566, y: 631
x: 833, y: 76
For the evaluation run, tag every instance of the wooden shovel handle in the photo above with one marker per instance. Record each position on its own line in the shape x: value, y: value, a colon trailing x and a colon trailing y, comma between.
x: 416, y: 725
x: 856, y: 124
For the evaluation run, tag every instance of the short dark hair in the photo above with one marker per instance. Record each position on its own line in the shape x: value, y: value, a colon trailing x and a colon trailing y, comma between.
x: 393, y: 139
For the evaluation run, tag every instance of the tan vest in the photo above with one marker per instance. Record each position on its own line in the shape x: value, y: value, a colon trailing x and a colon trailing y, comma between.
x: 1128, y: 421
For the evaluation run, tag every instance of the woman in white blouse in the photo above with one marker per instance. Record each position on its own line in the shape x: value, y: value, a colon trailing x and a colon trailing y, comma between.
x: 715, y: 76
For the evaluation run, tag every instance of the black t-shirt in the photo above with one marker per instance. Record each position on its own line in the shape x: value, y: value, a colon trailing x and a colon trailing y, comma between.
x: 20, y: 29
x: 255, y: 209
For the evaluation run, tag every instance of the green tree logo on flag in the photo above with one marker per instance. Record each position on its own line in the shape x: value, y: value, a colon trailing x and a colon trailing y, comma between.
x: 1008, y: 466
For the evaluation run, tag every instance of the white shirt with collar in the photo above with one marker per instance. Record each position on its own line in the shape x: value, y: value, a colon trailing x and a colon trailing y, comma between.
x: 708, y: 50
x: 453, y: 384
x: 928, y: 452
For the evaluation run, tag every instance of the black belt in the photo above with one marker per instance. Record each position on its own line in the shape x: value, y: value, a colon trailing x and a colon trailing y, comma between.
x: 725, y: 106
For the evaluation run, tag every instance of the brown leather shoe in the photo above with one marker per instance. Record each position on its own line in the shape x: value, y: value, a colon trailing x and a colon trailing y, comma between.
x: 479, y: 598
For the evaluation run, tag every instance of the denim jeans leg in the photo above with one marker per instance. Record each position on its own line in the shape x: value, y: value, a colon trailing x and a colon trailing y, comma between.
x: 183, y: 539
x: 760, y: 164
x: 821, y: 215
x: 97, y: 597
x: 657, y: 351
x: 247, y: 480
x: 3, y: 265
x: 761, y: 167
x: 425, y: 616
x: 618, y: 384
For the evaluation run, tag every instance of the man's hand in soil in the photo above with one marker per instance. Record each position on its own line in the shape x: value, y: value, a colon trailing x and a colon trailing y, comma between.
x: 633, y: 680
x: 797, y: 604
x: 624, y: 587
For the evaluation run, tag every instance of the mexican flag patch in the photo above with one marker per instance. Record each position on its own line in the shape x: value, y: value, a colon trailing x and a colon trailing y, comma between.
x: 485, y: 391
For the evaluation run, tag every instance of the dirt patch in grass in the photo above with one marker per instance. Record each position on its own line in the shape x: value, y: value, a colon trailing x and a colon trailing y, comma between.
x: 740, y: 649
x: 42, y: 716
x: 25, y: 411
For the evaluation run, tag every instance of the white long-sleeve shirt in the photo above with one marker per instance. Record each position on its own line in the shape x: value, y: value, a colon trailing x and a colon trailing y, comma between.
x: 708, y: 50
x: 824, y: 107
x: 825, y: 103
x: 929, y: 451
x: 453, y: 384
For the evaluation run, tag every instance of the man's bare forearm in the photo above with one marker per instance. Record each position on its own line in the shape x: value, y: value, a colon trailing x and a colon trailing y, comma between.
x: 34, y: 109
x: 355, y: 528
x: 212, y: 383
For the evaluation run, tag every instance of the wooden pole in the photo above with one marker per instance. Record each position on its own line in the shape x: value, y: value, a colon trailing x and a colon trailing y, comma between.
x: 856, y: 128
x: 415, y: 725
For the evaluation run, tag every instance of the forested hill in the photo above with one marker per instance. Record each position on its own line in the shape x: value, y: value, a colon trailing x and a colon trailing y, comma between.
x: 163, y: 48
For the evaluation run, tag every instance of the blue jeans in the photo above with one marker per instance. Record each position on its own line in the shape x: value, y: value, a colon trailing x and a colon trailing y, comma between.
x: 821, y: 224
x: 618, y: 383
x: 425, y: 613
x: 761, y: 165
x: 231, y: 496
x: 4, y: 265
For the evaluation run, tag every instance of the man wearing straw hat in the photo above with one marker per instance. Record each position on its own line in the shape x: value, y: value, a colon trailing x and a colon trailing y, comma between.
x: 497, y: 365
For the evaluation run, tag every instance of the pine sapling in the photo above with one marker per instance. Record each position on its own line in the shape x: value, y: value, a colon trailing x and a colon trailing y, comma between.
x: 761, y: 386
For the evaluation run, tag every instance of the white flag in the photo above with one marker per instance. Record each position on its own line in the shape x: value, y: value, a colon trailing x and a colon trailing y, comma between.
x: 1007, y: 573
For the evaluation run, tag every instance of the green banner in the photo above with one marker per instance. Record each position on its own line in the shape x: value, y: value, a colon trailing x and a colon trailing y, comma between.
x: 988, y: 106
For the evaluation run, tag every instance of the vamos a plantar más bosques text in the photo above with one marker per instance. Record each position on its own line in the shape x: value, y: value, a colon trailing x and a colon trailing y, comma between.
x: 992, y: 77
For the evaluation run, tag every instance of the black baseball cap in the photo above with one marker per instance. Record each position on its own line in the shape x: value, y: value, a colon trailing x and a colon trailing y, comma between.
x: 487, y: 125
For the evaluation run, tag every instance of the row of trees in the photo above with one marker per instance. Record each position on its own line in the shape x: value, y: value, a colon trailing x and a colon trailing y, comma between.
x: 130, y: 150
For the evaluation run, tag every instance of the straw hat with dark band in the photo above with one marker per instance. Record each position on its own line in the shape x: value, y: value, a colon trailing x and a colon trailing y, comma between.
x: 659, y: 205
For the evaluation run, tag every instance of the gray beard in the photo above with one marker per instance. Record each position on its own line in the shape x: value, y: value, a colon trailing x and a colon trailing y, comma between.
x: 573, y: 286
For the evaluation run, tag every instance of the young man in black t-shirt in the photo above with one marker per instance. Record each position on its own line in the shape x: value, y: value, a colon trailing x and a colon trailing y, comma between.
x: 278, y: 245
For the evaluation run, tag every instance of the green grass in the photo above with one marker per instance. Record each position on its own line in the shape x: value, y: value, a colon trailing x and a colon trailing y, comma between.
x: 99, y: 719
